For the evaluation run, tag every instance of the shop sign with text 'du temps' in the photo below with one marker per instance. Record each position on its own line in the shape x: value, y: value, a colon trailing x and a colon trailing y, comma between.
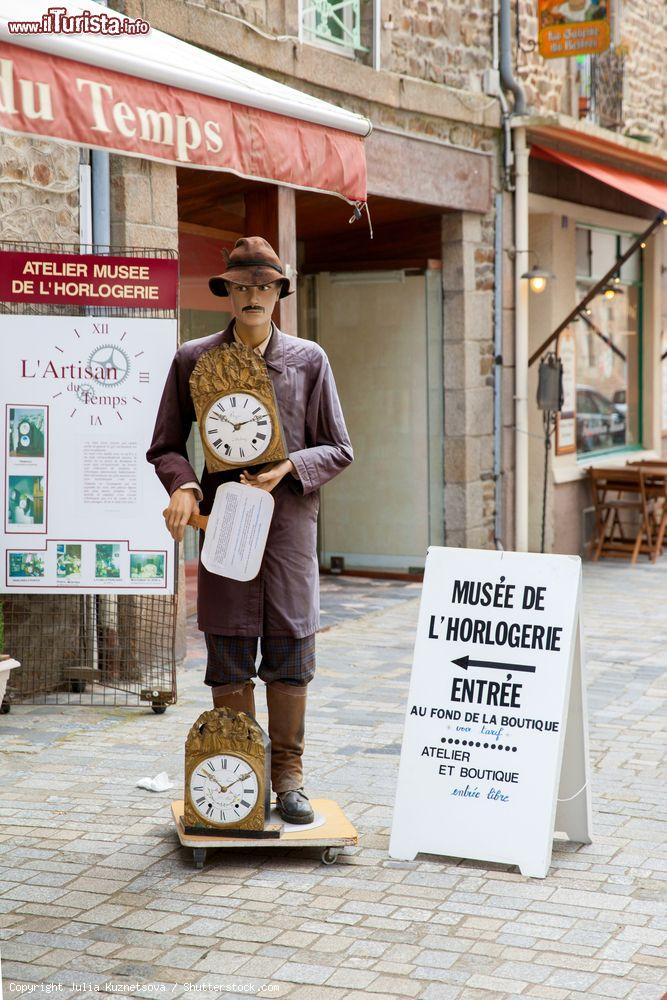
x: 494, y: 755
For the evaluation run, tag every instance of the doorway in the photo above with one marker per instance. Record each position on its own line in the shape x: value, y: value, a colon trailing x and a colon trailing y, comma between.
x: 382, y: 332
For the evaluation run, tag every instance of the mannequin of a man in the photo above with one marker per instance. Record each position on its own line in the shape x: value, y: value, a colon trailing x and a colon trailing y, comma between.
x: 280, y: 608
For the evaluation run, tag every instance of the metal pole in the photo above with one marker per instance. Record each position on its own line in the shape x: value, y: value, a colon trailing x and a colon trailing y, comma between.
x: 520, y: 342
x: 498, y: 371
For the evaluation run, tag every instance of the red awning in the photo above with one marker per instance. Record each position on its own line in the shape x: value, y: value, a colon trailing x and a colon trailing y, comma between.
x: 645, y: 189
x: 159, y: 98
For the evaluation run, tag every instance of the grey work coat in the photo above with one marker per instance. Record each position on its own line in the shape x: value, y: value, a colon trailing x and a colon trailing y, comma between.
x: 284, y: 598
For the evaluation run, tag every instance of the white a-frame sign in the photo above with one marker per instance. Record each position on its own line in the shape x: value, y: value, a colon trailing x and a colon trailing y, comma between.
x: 495, y: 748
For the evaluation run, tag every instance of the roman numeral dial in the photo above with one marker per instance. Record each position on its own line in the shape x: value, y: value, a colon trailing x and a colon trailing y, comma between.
x: 238, y: 428
x: 223, y: 789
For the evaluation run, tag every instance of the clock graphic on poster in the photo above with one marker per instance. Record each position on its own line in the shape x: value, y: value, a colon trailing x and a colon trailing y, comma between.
x: 113, y: 359
x: 105, y: 373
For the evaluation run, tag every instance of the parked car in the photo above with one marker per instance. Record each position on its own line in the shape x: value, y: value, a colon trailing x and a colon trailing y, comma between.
x: 600, y: 423
x: 620, y: 401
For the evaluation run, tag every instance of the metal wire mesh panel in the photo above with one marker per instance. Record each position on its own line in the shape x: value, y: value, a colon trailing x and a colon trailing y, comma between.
x: 90, y: 648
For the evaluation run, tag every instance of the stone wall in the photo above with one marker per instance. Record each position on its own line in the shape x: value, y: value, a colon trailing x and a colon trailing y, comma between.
x: 144, y: 210
x: 444, y: 41
x: 467, y: 279
x: 39, y: 202
x: 644, y: 34
x: 39, y: 195
x: 550, y: 84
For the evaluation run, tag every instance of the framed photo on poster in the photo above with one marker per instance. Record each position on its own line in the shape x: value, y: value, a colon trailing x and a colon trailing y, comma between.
x: 566, y: 420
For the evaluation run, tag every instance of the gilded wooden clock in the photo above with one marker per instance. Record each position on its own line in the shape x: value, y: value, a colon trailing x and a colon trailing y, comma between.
x: 227, y: 775
x: 236, y: 409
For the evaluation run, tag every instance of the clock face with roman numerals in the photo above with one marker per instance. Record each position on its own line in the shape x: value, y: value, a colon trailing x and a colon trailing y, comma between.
x: 238, y: 428
x: 223, y: 789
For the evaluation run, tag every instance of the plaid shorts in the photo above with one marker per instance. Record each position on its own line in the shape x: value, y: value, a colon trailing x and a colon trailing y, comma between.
x: 231, y: 659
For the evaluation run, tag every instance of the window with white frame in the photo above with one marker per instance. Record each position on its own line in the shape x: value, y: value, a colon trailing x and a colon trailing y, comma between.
x: 338, y: 25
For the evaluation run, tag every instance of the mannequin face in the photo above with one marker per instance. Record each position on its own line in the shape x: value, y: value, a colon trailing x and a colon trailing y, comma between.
x: 253, y: 305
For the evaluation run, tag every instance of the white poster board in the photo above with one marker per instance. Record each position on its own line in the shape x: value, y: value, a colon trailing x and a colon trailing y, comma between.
x: 497, y: 660
x: 81, y: 506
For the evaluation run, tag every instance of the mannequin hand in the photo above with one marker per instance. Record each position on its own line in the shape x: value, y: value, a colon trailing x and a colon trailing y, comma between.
x: 269, y: 479
x: 182, y: 504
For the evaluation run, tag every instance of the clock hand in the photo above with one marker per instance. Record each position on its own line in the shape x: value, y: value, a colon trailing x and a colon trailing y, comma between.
x: 213, y: 778
x: 242, y: 778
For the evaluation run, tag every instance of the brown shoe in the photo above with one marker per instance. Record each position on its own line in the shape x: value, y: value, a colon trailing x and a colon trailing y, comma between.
x: 239, y: 697
x: 294, y: 806
x: 287, y: 711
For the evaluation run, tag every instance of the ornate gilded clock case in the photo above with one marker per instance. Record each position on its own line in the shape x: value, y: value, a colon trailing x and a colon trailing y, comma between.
x: 220, y: 732
x: 221, y: 372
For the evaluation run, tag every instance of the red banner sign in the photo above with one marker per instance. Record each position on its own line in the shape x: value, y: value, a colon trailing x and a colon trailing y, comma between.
x: 46, y: 95
x: 88, y: 280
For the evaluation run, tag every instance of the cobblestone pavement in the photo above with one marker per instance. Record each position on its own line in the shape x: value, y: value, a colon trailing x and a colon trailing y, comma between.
x: 96, y: 893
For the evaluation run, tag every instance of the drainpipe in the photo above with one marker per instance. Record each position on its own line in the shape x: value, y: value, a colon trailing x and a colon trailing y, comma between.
x: 506, y: 74
x: 520, y: 287
x: 101, y: 193
x: 520, y: 341
x: 99, y: 162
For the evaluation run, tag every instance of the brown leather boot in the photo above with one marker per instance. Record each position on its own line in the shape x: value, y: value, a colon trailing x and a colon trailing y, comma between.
x: 239, y: 697
x: 287, y: 712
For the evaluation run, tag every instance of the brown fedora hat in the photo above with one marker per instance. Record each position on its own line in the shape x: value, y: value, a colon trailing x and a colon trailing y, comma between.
x: 253, y: 261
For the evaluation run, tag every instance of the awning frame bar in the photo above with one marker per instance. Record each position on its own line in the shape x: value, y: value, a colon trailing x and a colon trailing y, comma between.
x: 597, y: 288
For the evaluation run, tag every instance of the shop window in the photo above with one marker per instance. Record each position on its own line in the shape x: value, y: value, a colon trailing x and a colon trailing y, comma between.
x: 343, y: 26
x: 608, y: 347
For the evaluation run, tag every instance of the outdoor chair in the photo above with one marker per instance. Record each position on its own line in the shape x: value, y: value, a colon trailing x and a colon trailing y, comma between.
x: 625, y: 513
x: 655, y: 486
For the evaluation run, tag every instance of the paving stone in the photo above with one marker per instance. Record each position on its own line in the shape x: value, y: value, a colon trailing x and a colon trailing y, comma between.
x: 102, y: 884
x: 571, y: 979
x: 296, y: 972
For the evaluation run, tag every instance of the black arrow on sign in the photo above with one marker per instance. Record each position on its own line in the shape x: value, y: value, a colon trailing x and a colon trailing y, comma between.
x: 465, y: 662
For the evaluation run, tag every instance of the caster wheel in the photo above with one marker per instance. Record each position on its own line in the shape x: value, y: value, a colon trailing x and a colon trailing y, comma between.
x: 158, y: 708
x: 77, y: 686
x: 5, y: 707
x: 199, y: 854
x: 330, y: 856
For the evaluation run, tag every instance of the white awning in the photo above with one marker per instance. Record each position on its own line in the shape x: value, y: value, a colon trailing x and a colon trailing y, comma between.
x: 165, y: 59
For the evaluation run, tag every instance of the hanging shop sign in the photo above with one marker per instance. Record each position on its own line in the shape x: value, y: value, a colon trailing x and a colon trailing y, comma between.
x: 572, y: 27
x: 81, y: 506
x: 566, y: 420
x: 494, y: 754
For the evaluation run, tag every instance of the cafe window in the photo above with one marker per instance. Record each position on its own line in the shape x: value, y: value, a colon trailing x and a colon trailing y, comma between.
x: 608, y: 345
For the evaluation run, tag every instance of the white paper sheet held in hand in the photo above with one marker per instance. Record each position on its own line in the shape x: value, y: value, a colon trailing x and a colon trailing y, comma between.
x: 237, y: 529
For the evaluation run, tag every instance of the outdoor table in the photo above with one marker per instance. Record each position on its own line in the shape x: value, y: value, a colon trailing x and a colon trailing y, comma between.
x: 627, y: 516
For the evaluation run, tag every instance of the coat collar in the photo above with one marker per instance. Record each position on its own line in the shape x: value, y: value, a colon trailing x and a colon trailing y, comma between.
x: 274, y: 355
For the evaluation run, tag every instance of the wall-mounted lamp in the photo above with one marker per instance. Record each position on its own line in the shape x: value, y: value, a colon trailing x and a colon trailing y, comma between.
x: 537, y: 278
x: 611, y: 291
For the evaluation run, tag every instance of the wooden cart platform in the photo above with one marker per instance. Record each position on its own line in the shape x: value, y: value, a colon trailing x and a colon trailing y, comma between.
x: 335, y: 833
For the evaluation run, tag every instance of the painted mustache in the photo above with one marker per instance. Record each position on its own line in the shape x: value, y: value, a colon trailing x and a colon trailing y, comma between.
x: 253, y: 309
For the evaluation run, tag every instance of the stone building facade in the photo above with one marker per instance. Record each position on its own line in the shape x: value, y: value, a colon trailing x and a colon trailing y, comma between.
x: 425, y: 83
